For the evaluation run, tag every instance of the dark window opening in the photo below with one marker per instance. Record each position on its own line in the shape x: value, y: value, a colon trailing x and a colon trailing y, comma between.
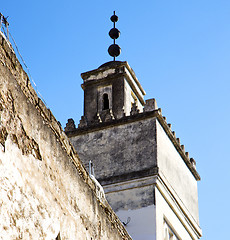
x: 105, y: 101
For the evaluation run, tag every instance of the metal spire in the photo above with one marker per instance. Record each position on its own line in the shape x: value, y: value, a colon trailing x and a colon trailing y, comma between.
x: 114, y: 50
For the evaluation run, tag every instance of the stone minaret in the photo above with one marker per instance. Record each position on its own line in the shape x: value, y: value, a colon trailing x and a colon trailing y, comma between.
x: 148, y: 178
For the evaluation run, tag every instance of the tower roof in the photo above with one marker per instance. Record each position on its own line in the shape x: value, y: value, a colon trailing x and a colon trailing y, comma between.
x: 116, y: 65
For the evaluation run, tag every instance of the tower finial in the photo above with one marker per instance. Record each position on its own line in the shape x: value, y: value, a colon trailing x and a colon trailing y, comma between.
x: 114, y: 50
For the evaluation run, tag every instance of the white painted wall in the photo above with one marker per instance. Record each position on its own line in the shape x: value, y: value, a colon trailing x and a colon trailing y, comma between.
x: 165, y: 212
x: 175, y: 171
x: 142, y: 225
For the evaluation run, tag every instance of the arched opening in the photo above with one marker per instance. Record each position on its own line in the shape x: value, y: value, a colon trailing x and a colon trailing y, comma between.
x: 105, y: 101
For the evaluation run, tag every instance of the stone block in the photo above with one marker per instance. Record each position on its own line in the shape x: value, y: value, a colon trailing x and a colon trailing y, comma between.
x: 150, y: 105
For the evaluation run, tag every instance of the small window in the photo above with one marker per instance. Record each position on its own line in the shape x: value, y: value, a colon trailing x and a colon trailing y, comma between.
x: 105, y: 101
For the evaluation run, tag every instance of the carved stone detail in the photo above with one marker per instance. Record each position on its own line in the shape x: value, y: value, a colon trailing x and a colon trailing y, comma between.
x: 107, y: 115
x: 97, y: 119
x: 83, y: 122
x: 134, y: 109
x: 70, y: 125
x: 193, y: 162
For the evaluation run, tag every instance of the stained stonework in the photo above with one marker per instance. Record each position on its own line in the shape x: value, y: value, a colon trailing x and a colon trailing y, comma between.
x: 45, y: 192
x: 137, y: 147
x: 121, y: 89
x: 114, y: 152
x: 148, y: 178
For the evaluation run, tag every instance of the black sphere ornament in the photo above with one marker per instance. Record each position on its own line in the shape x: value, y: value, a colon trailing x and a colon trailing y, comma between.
x: 114, y: 33
x: 114, y: 50
x: 114, y: 18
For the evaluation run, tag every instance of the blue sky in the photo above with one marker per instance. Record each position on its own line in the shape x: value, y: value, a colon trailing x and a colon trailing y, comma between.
x: 180, y: 52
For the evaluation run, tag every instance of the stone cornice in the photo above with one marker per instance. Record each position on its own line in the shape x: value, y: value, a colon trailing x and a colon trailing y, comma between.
x: 129, y: 176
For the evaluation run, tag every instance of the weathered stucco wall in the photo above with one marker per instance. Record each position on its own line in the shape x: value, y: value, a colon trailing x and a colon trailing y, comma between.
x: 44, y: 189
x: 120, y: 149
x: 134, y: 203
x: 133, y: 194
x: 143, y: 141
